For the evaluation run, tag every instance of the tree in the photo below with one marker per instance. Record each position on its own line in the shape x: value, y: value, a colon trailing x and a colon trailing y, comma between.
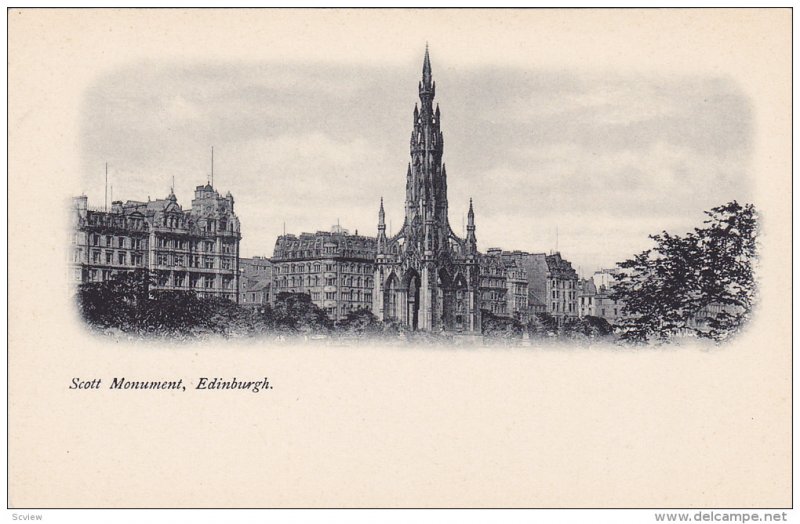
x: 543, y: 325
x: 588, y: 327
x: 495, y: 326
x: 700, y: 283
x: 296, y: 313
x: 127, y: 303
x: 360, y: 323
x: 120, y: 302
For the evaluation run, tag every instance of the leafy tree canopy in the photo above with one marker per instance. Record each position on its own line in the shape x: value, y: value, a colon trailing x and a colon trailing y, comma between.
x: 699, y: 284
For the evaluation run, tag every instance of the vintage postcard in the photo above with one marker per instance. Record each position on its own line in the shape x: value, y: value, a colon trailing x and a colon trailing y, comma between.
x: 342, y: 258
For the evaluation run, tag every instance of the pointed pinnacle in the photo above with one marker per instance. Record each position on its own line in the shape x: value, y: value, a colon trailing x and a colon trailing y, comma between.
x: 426, y: 67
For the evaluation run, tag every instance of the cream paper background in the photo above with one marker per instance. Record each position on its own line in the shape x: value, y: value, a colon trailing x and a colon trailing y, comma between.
x: 386, y: 427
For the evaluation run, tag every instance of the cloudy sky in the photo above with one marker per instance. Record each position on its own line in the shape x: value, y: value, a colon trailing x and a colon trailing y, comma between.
x: 602, y: 159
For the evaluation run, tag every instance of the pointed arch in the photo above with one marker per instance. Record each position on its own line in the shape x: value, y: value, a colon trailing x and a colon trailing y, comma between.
x: 390, y: 291
x: 411, y: 287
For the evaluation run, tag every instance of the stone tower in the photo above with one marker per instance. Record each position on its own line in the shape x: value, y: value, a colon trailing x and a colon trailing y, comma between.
x: 426, y: 277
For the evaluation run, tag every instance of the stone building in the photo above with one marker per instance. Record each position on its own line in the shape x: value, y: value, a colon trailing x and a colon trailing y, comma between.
x: 562, y: 287
x: 594, y: 296
x: 517, y: 296
x: 195, y: 249
x: 335, y: 268
x: 552, y: 283
x: 426, y: 277
x: 255, y: 276
x: 493, y: 283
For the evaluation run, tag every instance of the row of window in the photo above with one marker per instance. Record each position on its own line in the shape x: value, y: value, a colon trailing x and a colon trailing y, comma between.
x: 328, y: 251
x: 194, y: 261
x: 96, y: 240
x: 164, y: 280
x: 107, y: 257
x: 316, y: 267
x: 193, y: 280
x: 122, y: 242
x: 556, y: 308
x: 118, y: 221
x: 587, y: 311
x: 349, y: 296
x: 316, y: 280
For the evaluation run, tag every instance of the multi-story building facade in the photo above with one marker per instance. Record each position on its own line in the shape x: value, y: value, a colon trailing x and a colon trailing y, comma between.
x: 562, y: 287
x: 185, y: 250
x: 255, y: 276
x: 493, y: 283
x: 335, y: 268
x: 594, y: 296
x: 552, y: 284
x: 426, y: 277
x: 517, y: 296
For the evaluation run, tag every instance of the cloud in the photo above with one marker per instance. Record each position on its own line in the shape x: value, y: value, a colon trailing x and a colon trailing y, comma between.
x: 606, y: 158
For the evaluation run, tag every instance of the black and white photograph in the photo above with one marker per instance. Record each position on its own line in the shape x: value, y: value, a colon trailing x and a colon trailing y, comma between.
x: 458, y: 258
x: 567, y: 172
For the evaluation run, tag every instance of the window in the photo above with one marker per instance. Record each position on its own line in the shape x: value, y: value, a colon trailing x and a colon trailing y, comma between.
x: 96, y: 256
x: 121, y: 242
x: 330, y: 281
x: 178, y: 260
x: 136, y: 243
x: 208, y: 263
x: 109, y: 257
x: 122, y: 258
x: 137, y: 260
x: 209, y: 281
x: 95, y: 240
x: 330, y: 295
x: 109, y: 240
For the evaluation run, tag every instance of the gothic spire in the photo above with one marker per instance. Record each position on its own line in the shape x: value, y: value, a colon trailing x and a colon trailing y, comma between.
x: 471, y: 241
x: 427, y: 87
x: 426, y: 68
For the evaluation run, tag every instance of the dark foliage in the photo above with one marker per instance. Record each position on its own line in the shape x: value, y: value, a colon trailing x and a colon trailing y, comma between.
x: 120, y: 303
x: 295, y: 313
x: 494, y: 326
x: 543, y: 325
x: 588, y: 327
x: 361, y: 323
x: 125, y: 303
x: 700, y: 283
